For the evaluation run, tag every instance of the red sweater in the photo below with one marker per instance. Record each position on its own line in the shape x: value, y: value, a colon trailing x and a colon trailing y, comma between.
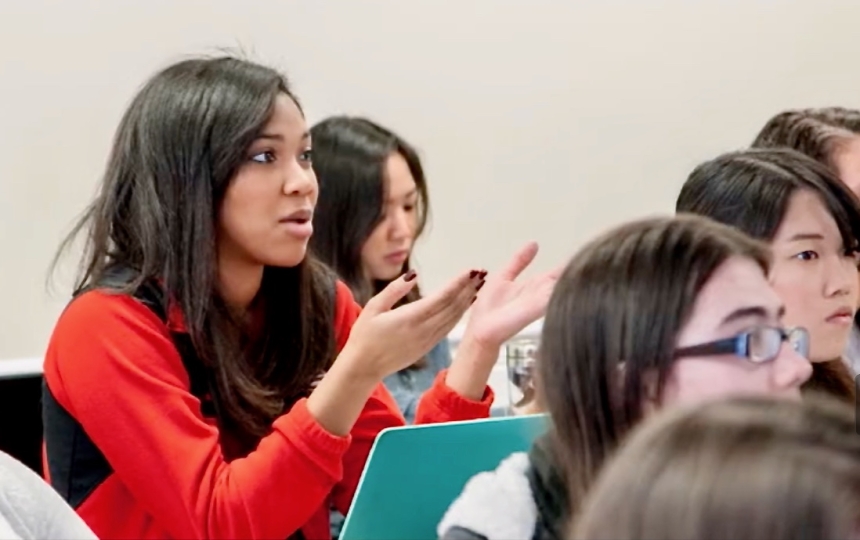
x: 129, y: 447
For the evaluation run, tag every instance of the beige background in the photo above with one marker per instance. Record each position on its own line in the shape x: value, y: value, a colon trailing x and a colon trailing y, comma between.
x: 544, y: 119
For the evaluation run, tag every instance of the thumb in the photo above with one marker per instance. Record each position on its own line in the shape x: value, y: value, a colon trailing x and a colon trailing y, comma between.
x: 394, y: 291
x: 523, y: 257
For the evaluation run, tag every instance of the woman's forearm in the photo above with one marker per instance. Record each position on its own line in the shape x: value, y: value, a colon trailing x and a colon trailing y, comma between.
x: 471, y: 368
x: 341, y: 395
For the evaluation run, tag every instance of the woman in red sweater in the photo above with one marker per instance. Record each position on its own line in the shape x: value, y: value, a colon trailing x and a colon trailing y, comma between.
x: 210, y: 380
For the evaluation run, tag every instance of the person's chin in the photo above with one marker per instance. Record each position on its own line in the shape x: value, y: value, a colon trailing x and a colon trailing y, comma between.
x: 837, y: 340
x: 390, y: 273
x: 817, y: 357
x: 288, y: 259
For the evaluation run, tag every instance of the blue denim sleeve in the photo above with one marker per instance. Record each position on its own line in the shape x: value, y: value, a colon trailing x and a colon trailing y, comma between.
x: 408, y: 385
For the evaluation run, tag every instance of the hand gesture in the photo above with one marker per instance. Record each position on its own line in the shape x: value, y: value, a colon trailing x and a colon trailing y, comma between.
x: 385, y: 340
x: 505, y: 305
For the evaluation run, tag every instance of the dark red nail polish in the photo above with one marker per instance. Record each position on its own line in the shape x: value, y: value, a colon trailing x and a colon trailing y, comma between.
x: 410, y: 275
x: 473, y: 300
x: 473, y: 274
x: 481, y: 284
x: 483, y: 274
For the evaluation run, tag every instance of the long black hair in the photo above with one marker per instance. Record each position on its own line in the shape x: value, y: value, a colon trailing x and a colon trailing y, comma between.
x: 177, y: 148
x: 350, y: 154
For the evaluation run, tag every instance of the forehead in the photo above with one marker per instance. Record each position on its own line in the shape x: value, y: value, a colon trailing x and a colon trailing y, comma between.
x: 737, y: 283
x: 287, y: 119
x: 850, y: 150
x: 847, y: 161
x: 807, y: 214
x: 399, y: 177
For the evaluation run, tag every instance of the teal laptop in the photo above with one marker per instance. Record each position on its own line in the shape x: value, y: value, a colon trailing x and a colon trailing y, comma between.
x: 414, y: 473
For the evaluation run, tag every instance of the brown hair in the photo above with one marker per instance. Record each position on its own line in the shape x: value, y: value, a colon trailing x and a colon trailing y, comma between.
x: 838, y: 116
x: 817, y: 133
x: 623, y: 297
x: 751, y: 189
x: 752, y: 468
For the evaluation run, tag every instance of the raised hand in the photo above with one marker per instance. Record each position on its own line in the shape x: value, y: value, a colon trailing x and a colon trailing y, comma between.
x: 505, y: 306
x: 385, y: 340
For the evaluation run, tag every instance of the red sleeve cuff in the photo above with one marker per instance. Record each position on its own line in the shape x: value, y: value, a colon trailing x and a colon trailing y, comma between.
x: 318, y: 445
x: 441, y: 404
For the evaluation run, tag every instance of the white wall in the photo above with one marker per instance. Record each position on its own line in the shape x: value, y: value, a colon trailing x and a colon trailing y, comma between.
x: 541, y: 119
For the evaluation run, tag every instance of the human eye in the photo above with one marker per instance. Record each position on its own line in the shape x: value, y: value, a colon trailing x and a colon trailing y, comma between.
x: 263, y: 157
x: 307, y: 156
x: 764, y: 343
x: 807, y: 255
x: 410, y: 203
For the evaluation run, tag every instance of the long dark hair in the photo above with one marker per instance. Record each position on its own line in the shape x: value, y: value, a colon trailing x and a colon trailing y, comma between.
x: 750, y: 190
x: 350, y: 154
x: 176, y: 150
x: 611, y: 327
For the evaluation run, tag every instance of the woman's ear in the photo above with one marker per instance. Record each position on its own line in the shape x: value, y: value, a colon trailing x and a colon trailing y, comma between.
x: 655, y: 392
x: 650, y: 387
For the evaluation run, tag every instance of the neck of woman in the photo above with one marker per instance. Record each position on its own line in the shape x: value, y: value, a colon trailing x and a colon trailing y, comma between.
x: 239, y: 282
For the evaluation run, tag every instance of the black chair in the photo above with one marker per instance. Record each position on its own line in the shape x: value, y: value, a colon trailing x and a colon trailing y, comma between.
x: 21, y: 418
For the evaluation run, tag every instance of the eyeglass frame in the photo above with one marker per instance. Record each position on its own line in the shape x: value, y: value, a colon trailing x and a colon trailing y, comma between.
x: 739, y: 345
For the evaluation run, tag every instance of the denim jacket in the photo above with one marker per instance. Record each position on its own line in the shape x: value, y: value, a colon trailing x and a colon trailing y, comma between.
x: 408, y: 385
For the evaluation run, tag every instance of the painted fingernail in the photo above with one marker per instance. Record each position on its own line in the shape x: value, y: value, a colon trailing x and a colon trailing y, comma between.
x: 473, y: 300
x: 481, y: 284
x: 473, y: 274
x: 410, y: 275
x: 483, y: 274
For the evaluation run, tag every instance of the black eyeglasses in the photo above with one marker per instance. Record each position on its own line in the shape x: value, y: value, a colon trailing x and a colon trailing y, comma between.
x: 759, y: 346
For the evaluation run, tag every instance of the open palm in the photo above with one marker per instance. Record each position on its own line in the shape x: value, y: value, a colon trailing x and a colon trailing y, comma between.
x: 505, y: 305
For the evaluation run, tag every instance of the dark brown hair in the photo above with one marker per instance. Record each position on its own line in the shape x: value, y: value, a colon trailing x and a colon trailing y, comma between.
x: 817, y: 133
x: 350, y: 155
x: 623, y: 298
x: 175, y: 152
x: 751, y: 189
x: 751, y: 468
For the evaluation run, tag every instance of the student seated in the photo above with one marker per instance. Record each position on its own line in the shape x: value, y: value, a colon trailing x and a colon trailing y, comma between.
x: 745, y: 469
x: 812, y: 223
x: 652, y: 314
x: 210, y: 380
x: 831, y: 136
x: 373, y: 205
x: 31, y: 510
